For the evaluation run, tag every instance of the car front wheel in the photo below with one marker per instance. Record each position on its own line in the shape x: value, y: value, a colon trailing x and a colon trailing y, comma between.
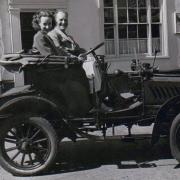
x: 175, y: 138
x: 28, y: 145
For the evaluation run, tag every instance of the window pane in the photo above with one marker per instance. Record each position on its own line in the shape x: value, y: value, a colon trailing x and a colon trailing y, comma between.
x: 155, y: 15
x: 122, y: 15
x: 143, y: 45
x: 27, y: 32
x: 156, y: 37
x: 108, y: 3
x: 122, y: 3
x: 109, y: 39
x: 156, y: 45
x: 132, y: 31
x: 142, y: 31
x: 132, y: 3
x: 142, y: 3
x: 123, y: 46
x: 122, y: 32
x: 142, y: 15
x: 154, y: 3
x: 155, y: 30
x: 132, y: 46
x: 109, y: 46
x: 109, y: 31
x: 132, y: 15
x: 108, y: 15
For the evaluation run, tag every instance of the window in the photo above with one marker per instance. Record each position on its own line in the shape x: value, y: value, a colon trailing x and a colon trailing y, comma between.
x: 177, y: 22
x: 27, y: 32
x: 132, y: 26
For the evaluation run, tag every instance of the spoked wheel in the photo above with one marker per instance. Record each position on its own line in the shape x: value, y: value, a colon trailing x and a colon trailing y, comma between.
x: 28, y: 145
x: 175, y: 138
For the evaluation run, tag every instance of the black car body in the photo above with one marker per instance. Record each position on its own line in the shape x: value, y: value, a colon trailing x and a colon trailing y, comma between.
x: 55, y: 103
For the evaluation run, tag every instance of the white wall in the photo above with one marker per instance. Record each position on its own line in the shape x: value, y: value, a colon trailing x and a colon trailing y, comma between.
x: 5, y: 25
x: 84, y: 22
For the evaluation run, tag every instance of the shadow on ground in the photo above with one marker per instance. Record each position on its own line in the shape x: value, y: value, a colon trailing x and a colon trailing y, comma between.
x: 85, y: 154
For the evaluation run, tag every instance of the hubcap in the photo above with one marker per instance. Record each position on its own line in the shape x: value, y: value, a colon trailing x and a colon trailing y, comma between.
x: 25, y: 145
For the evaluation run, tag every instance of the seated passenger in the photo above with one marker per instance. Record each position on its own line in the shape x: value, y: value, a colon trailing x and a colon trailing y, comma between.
x: 68, y: 46
x: 69, y: 84
x: 61, y: 39
x: 66, y: 43
x: 42, y: 44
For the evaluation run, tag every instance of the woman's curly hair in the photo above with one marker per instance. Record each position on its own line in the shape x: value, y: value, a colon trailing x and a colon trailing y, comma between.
x: 37, y: 17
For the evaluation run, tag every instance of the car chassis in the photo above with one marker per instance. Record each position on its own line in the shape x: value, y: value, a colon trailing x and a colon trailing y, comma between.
x: 55, y: 103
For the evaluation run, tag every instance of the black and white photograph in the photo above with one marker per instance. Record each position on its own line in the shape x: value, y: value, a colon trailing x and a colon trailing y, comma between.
x: 89, y: 89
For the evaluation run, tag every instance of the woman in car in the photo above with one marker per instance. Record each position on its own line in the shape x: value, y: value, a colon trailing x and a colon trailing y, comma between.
x: 70, y: 83
x: 61, y: 39
x: 42, y: 44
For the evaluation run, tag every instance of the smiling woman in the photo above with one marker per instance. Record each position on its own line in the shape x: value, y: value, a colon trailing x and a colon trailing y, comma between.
x: 64, y: 42
x: 42, y: 44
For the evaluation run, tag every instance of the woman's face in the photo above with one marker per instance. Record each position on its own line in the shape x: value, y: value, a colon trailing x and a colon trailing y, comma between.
x: 45, y: 23
x: 61, y: 21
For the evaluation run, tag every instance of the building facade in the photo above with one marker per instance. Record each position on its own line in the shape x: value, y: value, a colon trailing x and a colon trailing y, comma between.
x: 131, y: 29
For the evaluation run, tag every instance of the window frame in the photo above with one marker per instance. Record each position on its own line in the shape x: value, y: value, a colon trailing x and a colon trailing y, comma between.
x: 163, y: 30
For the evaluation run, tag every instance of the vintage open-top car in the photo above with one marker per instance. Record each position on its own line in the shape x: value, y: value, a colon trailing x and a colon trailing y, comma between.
x: 55, y: 102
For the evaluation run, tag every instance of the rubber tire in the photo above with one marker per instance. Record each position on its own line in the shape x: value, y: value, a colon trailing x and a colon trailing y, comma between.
x: 175, y: 151
x: 52, y: 136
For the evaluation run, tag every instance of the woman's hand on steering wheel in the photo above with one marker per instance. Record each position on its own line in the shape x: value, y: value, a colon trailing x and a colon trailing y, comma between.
x: 82, y: 57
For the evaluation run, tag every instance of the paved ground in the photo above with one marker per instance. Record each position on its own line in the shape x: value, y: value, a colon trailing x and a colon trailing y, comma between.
x: 111, y: 160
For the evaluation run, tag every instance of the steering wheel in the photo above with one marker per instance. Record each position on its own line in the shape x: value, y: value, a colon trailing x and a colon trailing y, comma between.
x: 92, y: 50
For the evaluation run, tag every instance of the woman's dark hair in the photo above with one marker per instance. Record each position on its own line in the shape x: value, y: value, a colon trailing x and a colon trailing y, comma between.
x: 37, y: 17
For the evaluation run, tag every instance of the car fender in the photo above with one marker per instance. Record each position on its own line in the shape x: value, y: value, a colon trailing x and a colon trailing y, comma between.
x: 161, y: 116
x: 27, y: 89
x: 36, y: 105
x: 29, y: 104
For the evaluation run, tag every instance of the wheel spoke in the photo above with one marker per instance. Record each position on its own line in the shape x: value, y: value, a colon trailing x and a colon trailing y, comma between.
x: 39, y: 149
x: 35, y: 134
x: 39, y: 157
x: 11, y: 137
x: 28, y: 131
x: 23, y: 158
x: 15, y: 155
x: 14, y: 134
x: 11, y: 149
x: 21, y: 130
x: 40, y: 140
x: 30, y: 158
x: 10, y: 140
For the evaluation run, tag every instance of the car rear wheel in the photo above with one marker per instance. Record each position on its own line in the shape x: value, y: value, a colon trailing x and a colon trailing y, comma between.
x: 175, y: 138
x: 28, y: 145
